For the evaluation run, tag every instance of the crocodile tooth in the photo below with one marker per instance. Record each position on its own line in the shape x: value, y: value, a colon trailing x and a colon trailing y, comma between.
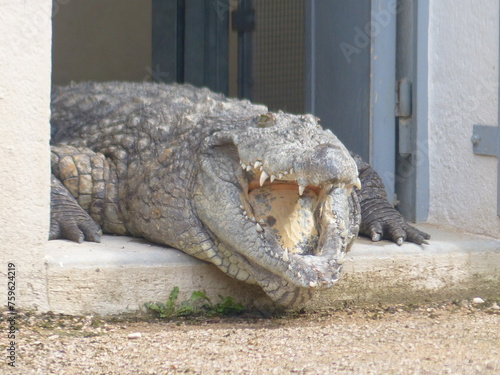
x: 341, y: 225
x: 257, y: 164
x: 258, y: 228
x: 276, y: 255
x: 289, y: 267
x: 349, y: 190
x: 273, y: 177
x: 313, y: 284
x: 341, y: 258
x: 301, y: 189
x: 358, y: 183
x: 243, y: 165
x: 262, y: 222
x: 280, y: 175
x: 241, y: 207
x: 249, y: 168
x: 291, y: 171
x: 342, y: 185
x: 263, y: 177
x: 299, y: 275
x: 344, y: 234
x: 285, y: 255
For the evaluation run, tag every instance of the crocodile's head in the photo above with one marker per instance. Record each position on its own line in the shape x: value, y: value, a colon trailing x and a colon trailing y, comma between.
x: 276, y: 197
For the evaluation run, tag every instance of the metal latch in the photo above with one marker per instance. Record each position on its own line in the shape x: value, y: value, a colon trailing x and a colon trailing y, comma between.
x: 243, y: 20
x: 486, y: 141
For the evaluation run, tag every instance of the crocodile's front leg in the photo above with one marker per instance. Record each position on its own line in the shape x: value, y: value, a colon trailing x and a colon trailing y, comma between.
x: 84, y: 195
x: 67, y: 219
x: 379, y: 219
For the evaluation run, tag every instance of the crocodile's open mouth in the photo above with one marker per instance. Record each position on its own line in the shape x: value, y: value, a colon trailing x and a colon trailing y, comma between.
x: 300, y: 223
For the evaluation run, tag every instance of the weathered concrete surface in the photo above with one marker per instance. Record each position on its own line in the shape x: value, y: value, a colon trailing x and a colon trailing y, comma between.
x: 25, y: 40
x: 453, y: 266
x: 121, y: 273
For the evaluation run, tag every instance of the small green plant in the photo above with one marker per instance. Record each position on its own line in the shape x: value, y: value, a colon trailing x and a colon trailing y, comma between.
x: 197, y: 304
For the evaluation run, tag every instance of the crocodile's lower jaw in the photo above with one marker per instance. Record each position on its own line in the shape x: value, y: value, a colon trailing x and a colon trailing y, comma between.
x: 288, y: 216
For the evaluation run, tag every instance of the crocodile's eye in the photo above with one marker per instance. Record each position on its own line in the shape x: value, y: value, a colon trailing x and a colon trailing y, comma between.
x: 266, y: 120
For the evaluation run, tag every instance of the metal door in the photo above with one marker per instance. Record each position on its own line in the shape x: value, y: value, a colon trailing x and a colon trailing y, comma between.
x: 350, y: 76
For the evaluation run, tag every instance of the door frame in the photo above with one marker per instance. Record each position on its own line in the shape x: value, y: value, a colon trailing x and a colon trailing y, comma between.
x: 412, y: 162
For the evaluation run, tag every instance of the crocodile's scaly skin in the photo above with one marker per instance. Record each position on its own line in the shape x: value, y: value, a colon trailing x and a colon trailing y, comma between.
x: 184, y: 167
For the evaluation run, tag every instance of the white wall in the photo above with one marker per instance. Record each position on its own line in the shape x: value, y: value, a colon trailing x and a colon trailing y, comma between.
x: 25, y: 39
x: 463, y: 91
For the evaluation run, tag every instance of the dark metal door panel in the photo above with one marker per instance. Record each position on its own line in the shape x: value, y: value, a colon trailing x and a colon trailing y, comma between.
x: 338, y: 67
x: 350, y: 76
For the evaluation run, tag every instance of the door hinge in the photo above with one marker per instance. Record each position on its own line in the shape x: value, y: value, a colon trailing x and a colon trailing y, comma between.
x: 243, y: 20
x: 404, y: 113
x: 403, y: 98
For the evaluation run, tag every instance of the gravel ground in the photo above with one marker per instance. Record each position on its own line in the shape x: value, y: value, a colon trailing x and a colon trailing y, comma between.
x: 460, y: 338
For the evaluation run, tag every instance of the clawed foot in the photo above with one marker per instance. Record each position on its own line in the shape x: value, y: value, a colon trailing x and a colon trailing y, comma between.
x: 76, y: 230
x: 397, y: 232
x: 384, y: 222
x: 68, y: 220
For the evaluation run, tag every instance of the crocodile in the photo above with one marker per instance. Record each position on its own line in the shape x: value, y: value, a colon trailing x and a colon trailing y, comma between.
x: 270, y: 198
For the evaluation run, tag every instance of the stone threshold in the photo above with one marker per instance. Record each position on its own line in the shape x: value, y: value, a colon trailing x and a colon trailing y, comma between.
x: 122, y: 273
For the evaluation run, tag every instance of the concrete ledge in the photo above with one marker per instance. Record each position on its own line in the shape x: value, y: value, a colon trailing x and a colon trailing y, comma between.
x: 121, y: 273
x: 454, y: 266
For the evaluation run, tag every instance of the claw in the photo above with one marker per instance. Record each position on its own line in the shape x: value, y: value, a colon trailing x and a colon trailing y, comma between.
x: 400, y: 241
x: 376, y: 237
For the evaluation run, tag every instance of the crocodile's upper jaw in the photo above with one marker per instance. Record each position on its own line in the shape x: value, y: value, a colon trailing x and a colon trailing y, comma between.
x: 285, y: 228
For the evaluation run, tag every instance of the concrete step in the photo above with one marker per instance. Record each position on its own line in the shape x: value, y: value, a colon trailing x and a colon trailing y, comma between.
x: 122, y: 273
